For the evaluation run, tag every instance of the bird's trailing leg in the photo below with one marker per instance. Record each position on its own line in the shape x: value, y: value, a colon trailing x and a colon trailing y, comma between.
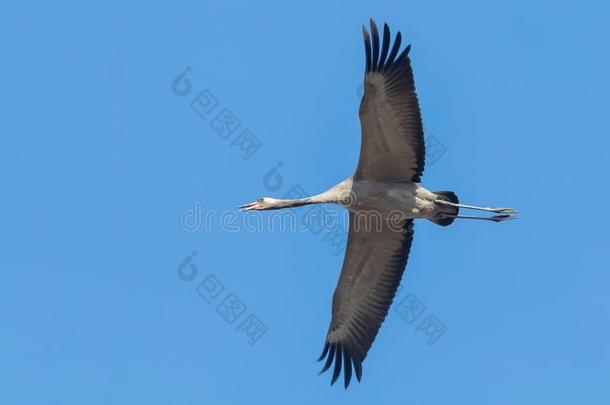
x: 472, y: 207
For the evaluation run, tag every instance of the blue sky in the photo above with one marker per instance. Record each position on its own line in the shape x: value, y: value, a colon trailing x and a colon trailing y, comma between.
x: 108, y: 172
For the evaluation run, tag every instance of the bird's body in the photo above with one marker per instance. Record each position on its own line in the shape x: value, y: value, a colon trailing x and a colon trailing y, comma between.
x: 409, y: 200
x: 384, y: 197
x: 406, y: 200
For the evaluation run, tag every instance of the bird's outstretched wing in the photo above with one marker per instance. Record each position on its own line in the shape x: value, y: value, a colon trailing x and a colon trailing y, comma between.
x: 392, y: 147
x: 374, y: 262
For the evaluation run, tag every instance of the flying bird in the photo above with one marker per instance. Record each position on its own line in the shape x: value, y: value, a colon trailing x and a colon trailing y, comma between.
x: 383, y: 198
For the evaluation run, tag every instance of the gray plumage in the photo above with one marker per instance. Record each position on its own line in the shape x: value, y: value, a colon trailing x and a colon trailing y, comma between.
x: 383, y: 197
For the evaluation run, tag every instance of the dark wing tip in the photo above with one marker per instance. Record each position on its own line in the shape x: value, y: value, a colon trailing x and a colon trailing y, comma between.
x: 375, y: 35
x: 358, y: 369
x: 367, y: 48
x: 324, y: 351
x: 329, y: 359
x: 365, y: 33
x: 347, y: 367
x: 395, y: 49
x: 338, y: 361
x: 379, y: 56
x: 404, y: 53
x: 342, y: 358
x: 385, y: 45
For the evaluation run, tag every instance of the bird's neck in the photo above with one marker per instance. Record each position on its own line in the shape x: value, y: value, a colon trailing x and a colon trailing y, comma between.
x: 335, y: 195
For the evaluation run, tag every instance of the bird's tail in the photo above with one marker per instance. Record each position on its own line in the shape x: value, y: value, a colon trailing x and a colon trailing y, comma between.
x: 442, y: 210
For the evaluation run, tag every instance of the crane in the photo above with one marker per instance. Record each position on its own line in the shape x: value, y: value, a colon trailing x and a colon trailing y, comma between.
x: 383, y: 198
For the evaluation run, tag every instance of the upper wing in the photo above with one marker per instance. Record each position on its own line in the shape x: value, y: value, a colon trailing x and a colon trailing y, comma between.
x: 372, y: 269
x: 392, y: 147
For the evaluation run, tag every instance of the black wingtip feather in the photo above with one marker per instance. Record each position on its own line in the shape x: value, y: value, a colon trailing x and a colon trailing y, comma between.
x: 395, y: 49
x: 375, y: 39
x: 347, y: 367
x: 329, y: 359
x: 385, y: 46
x: 324, y: 351
x: 383, y: 59
x: 343, y: 359
x: 358, y: 369
x: 367, y: 48
x: 337, y: 369
x: 405, y: 52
